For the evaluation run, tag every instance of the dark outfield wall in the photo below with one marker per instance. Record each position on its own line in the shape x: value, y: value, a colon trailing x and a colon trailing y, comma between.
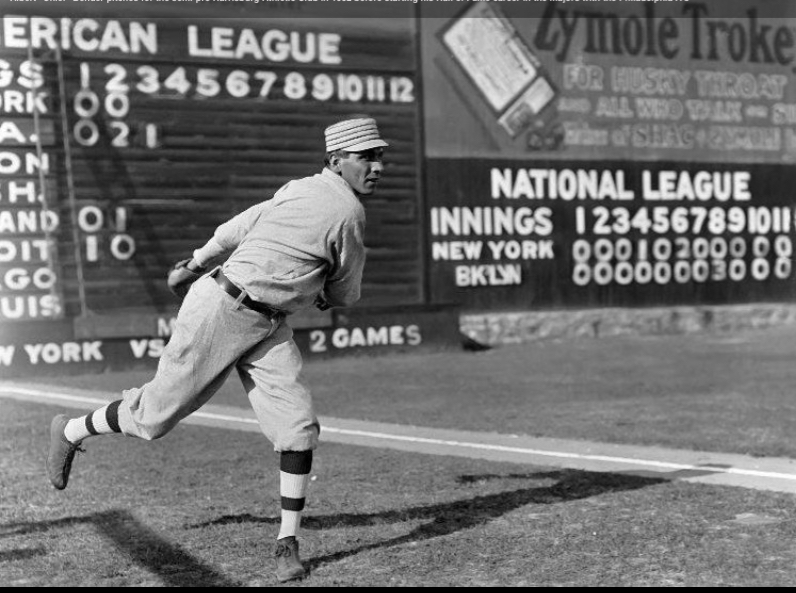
x: 545, y: 155
x: 594, y: 154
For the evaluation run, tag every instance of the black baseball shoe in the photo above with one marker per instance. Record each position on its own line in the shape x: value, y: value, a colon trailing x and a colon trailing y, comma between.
x: 62, y: 452
x: 288, y: 563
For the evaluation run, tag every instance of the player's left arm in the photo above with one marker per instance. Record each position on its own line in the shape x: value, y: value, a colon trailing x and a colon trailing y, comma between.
x: 224, y: 241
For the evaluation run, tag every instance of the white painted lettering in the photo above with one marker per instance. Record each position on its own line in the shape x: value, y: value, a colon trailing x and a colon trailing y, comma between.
x: 10, y: 131
x: 491, y: 221
x: 19, y: 308
x: 7, y: 355
x: 370, y: 337
x: 397, y: 335
x: 456, y: 250
x: 25, y: 103
x: 15, y: 32
x: 166, y: 327
x: 273, y: 45
x: 248, y: 45
x: 580, y: 184
x: 139, y: 347
x: 28, y: 221
x: 221, y: 39
x: 488, y: 275
x: 26, y: 190
x: 71, y: 352
x: 193, y: 44
x: 12, y: 163
x: 329, y: 48
x: 92, y: 351
x: 378, y: 336
x: 151, y: 348
x: 114, y: 38
x: 84, y: 34
x: 33, y: 351
x: 68, y: 352
x: 81, y: 41
x: 700, y: 186
x: 31, y: 75
x: 413, y: 335
x: 526, y: 250
x: 43, y: 32
x: 26, y: 250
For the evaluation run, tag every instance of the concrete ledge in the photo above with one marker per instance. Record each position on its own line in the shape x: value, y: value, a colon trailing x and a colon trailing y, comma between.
x: 527, y: 326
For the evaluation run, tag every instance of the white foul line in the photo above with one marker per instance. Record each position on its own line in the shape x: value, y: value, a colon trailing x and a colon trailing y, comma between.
x: 384, y: 436
x: 51, y: 395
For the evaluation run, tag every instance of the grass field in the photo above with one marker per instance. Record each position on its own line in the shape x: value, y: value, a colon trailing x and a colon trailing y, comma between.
x: 200, y: 507
x: 734, y: 393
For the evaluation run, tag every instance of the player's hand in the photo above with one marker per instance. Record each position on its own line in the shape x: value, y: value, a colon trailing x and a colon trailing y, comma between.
x: 182, y: 275
x: 321, y: 304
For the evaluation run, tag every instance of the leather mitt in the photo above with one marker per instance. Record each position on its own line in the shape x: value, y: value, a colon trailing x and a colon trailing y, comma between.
x: 181, y: 278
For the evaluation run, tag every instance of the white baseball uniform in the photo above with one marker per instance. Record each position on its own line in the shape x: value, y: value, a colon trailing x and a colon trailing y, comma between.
x: 307, y: 240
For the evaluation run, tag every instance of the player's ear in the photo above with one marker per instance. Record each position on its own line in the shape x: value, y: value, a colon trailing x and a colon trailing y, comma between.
x: 335, y: 159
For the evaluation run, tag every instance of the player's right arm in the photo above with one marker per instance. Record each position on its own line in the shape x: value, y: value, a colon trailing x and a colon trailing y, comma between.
x: 343, y: 285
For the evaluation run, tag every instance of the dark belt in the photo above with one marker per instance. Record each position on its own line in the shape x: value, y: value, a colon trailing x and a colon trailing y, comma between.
x: 235, y: 292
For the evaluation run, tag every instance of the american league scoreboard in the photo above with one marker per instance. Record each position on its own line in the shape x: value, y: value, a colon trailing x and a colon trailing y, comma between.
x: 126, y: 141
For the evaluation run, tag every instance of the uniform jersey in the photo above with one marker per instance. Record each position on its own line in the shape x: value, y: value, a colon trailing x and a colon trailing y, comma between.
x: 307, y: 240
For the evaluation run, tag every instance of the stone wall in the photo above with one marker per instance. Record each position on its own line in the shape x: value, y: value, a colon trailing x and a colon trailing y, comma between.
x: 517, y: 327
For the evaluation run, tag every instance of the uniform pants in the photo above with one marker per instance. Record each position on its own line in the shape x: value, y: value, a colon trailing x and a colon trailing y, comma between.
x: 212, y: 337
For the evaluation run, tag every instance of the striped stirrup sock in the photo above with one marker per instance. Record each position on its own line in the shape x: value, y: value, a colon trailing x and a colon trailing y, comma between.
x: 102, y: 421
x: 294, y: 476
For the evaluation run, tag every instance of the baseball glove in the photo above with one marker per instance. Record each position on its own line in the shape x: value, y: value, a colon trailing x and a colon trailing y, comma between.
x: 321, y: 304
x: 180, y: 278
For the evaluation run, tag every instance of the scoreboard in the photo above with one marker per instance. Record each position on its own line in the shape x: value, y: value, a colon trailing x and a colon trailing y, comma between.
x: 125, y: 142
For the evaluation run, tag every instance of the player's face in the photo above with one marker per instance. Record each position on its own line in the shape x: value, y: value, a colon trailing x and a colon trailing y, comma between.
x: 362, y: 170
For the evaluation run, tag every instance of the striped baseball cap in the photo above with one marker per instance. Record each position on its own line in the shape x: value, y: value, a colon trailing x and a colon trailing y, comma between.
x: 353, y: 135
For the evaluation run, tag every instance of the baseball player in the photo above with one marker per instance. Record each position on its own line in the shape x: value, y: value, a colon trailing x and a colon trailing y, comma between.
x: 301, y: 248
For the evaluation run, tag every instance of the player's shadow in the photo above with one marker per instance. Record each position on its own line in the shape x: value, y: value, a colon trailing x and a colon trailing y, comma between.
x: 447, y: 518
x: 174, y: 566
x: 178, y: 568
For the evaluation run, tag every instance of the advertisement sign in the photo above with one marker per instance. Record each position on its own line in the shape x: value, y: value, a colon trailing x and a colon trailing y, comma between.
x: 628, y: 80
